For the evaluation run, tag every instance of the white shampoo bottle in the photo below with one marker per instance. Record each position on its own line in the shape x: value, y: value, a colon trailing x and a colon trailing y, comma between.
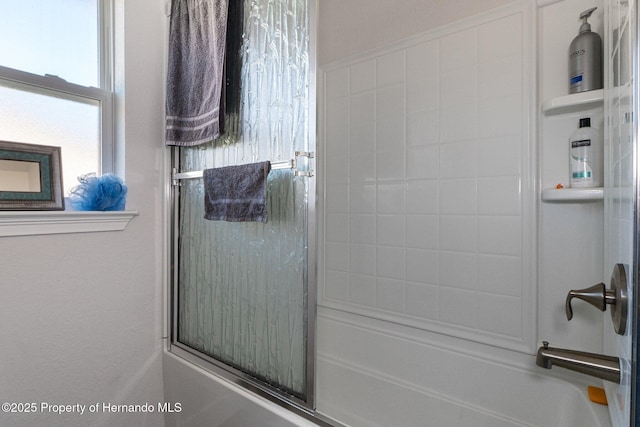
x: 585, y: 156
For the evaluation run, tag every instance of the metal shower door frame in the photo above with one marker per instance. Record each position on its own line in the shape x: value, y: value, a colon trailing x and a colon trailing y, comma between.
x: 305, y: 408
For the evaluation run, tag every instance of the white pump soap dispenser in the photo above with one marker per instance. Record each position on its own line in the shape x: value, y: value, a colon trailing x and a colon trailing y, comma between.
x: 585, y: 58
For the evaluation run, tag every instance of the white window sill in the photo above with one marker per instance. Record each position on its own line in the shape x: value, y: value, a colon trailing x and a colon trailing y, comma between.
x: 30, y: 223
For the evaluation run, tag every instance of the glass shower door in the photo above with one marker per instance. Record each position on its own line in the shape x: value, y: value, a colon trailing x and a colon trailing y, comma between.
x: 622, y: 186
x: 242, y: 291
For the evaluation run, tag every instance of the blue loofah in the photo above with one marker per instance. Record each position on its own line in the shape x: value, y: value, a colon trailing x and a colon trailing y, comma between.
x: 98, y: 193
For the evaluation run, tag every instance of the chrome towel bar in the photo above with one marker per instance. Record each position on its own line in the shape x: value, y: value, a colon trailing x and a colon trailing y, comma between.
x: 284, y: 164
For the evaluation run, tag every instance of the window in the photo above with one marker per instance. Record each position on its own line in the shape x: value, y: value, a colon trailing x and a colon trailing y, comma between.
x: 55, y: 81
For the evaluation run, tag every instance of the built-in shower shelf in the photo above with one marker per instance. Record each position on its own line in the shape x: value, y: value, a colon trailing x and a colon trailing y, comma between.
x: 573, y: 103
x: 572, y: 195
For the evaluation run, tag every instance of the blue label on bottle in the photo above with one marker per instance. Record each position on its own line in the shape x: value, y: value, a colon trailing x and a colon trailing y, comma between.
x: 581, y: 175
x: 576, y: 79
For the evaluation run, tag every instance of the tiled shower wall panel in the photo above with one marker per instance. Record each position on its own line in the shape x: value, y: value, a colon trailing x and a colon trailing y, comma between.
x: 426, y: 186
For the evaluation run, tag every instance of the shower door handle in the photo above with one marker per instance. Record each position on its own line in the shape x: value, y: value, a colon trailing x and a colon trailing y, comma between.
x: 599, y: 297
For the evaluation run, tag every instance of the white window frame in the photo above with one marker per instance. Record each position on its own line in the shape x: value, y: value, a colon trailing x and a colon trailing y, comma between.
x: 49, y: 85
x: 27, y: 223
x: 54, y: 86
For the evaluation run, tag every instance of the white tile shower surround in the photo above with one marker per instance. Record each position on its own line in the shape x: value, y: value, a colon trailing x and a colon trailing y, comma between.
x: 362, y: 386
x: 375, y: 373
x: 426, y: 183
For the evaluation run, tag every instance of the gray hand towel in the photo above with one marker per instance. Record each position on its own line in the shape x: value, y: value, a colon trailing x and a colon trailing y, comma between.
x: 236, y: 193
x: 197, y: 35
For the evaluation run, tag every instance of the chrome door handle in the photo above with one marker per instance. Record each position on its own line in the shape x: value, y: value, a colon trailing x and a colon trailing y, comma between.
x: 599, y: 297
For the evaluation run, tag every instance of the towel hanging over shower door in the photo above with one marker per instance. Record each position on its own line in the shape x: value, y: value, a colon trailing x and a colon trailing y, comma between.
x: 197, y: 39
x: 242, y: 287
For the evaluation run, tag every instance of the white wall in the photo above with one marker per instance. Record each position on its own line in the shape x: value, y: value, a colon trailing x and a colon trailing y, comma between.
x: 385, y: 277
x: 432, y: 196
x: 353, y: 26
x: 81, y: 313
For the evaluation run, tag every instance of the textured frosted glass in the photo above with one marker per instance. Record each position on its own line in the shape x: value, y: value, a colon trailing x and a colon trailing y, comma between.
x: 242, y: 286
x: 39, y: 119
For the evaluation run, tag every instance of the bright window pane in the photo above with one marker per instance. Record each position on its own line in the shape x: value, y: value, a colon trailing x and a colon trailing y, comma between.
x: 39, y: 119
x: 52, y: 37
